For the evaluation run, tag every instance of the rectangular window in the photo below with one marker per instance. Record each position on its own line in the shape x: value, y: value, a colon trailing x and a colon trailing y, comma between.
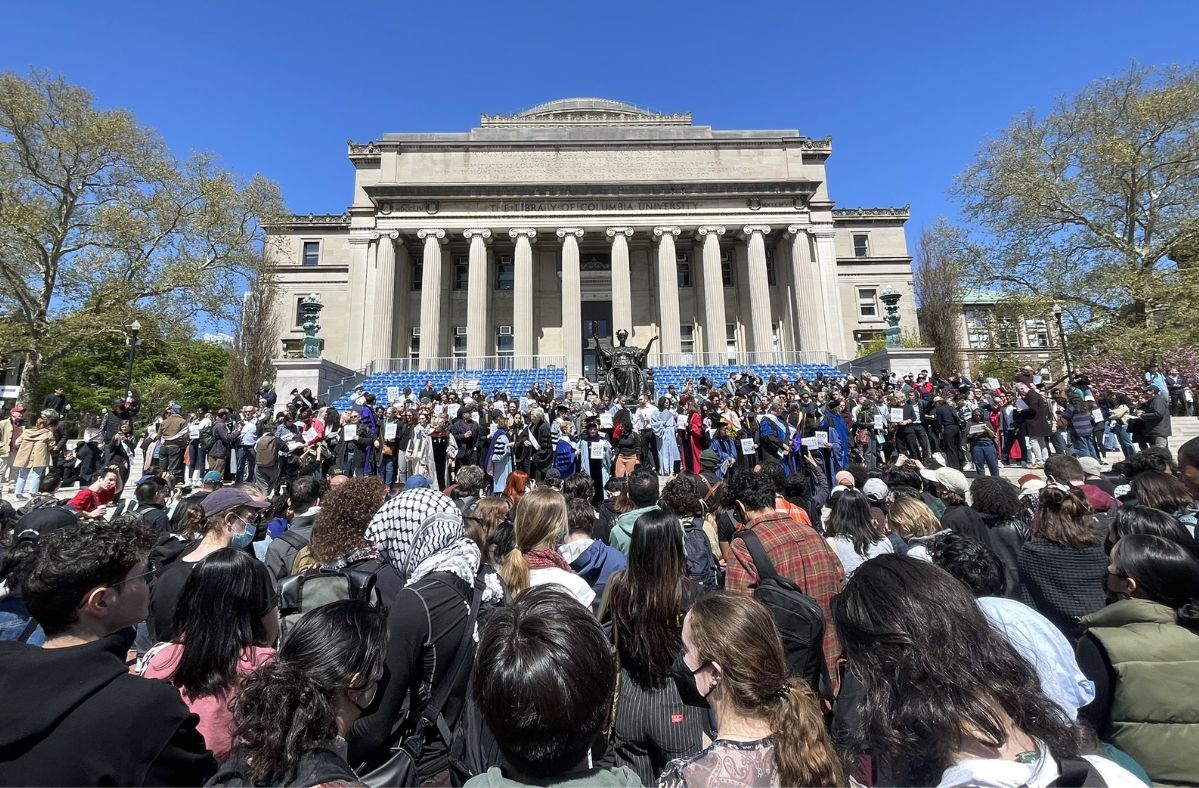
x: 682, y: 263
x: 1036, y: 332
x: 461, y: 272
x: 1007, y: 333
x: 505, y: 273
x: 414, y: 346
x: 418, y: 274
x: 730, y: 340
x: 978, y: 334
x: 505, y: 344
x: 299, y: 313
x: 687, y: 338
x: 770, y: 274
x: 312, y: 252
x: 861, y: 245
x: 460, y: 342
x: 726, y: 268
x: 867, y: 304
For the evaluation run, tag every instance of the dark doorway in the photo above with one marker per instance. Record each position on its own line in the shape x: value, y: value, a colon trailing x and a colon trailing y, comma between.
x: 599, y: 313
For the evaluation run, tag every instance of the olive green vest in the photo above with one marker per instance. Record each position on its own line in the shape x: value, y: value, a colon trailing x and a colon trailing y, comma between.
x: 1155, y: 710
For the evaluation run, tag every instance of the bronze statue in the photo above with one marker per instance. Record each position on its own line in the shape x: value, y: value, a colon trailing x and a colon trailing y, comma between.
x: 622, y: 369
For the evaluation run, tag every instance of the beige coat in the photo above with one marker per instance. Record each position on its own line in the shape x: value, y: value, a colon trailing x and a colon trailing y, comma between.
x: 6, y: 426
x: 33, y: 448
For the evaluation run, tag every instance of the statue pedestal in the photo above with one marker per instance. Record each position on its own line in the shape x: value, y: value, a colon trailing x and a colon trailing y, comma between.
x: 317, y: 374
x: 900, y: 360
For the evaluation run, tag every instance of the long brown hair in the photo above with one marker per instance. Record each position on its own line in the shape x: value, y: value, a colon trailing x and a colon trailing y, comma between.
x: 540, y: 520
x: 346, y: 511
x: 486, y: 515
x: 1066, y: 517
x: 738, y: 633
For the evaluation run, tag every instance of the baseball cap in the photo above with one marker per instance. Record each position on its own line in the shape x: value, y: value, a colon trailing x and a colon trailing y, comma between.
x: 709, y: 459
x: 42, y: 521
x: 18, y: 409
x: 213, y: 477
x: 1090, y: 466
x: 416, y: 482
x: 876, y: 490
x: 1032, y: 486
x: 229, y: 498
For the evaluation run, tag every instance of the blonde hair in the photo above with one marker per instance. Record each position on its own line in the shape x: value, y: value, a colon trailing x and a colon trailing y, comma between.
x: 911, y: 518
x: 738, y: 633
x: 540, y: 520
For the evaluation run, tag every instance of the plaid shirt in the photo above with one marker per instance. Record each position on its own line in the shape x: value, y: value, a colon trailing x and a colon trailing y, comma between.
x: 802, y: 556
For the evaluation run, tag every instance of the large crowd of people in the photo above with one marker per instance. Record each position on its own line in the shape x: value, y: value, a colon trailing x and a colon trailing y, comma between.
x: 740, y: 582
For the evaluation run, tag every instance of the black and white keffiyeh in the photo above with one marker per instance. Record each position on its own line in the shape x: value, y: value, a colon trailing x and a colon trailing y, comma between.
x: 413, y: 526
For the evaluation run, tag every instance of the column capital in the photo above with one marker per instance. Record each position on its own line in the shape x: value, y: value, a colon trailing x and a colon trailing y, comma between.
x: 796, y: 229
x: 392, y: 234
x: 612, y: 232
x: 432, y: 233
x: 750, y: 229
x: 526, y: 232
x: 483, y: 233
x: 715, y: 229
x: 562, y: 232
x: 665, y: 230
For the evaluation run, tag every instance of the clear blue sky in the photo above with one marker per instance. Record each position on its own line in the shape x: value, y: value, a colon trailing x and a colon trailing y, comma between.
x: 907, y: 90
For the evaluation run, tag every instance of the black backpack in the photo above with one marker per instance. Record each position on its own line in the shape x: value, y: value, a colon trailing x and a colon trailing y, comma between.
x: 799, y: 619
x: 701, y: 566
x: 307, y: 591
x: 207, y: 438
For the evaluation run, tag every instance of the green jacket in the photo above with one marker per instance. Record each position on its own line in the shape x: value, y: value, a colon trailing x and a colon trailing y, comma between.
x: 622, y: 529
x: 1154, y: 715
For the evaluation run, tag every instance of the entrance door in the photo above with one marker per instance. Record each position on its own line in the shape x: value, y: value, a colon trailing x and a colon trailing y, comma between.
x: 600, y: 313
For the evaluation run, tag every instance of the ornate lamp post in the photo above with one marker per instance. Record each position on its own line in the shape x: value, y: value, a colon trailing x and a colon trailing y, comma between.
x: 890, y: 301
x: 310, y: 309
x: 134, y: 328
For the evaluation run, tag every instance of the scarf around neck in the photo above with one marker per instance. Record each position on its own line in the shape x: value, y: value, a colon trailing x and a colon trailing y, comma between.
x: 545, y: 559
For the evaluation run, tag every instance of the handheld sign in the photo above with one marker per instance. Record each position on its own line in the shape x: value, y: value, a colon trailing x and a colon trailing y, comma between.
x: 976, y: 429
x: 393, y: 394
x: 878, y: 421
x: 809, y: 443
x: 747, y: 446
x: 896, y: 414
x: 680, y: 422
x: 597, y: 450
x: 605, y: 421
x: 349, y: 432
x: 193, y: 432
x: 389, y: 431
x: 821, y: 437
x: 309, y: 435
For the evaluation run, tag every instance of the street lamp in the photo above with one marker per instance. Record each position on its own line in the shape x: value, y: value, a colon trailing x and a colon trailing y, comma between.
x: 134, y: 328
x: 1061, y: 335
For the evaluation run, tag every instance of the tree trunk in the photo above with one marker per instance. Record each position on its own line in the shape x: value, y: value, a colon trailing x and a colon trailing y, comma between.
x: 31, y: 372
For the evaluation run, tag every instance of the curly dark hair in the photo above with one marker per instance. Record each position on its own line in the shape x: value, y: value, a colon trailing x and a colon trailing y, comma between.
x: 995, y: 495
x: 754, y: 489
x: 682, y: 497
x: 968, y: 560
x: 346, y: 511
x: 1153, y: 459
x: 69, y: 562
x: 902, y: 622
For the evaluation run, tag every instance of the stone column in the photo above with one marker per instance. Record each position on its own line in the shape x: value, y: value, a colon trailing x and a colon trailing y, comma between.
x: 478, y: 327
x: 826, y: 257
x: 430, y: 297
x: 523, y: 345
x: 572, y: 302
x: 361, y: 251
x: 383, y: 292
x: 715, y: 336
x: 622, y: 290
x: 761, y: 341
x: 808, y: 290
x: 668, y: 293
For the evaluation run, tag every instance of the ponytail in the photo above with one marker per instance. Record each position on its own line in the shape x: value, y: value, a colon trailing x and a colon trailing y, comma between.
x: 803, y: 750
x: 514, y: 571
x: 278, y: 711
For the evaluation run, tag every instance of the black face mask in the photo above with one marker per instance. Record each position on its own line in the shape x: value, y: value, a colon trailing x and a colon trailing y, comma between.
x: 684, y: 679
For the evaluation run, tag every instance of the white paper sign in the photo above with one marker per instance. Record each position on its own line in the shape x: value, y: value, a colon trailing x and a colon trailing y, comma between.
x: 878, y: 421
x: 1097, y: 415
x: 451, y: 410
x: 821, y: 439
x: 605, y: 421
x: 193, y: 431
x: 524, y: 404
x: 747, y: 446
x: 389, y: 430
x: 976, y: 429
x: 349, y: 432
x: 309, y: 435
x: 680, y: 422
x: 896, y: 414
x: 597, y: 450
x: 809, y: 443
x: 393, y: 393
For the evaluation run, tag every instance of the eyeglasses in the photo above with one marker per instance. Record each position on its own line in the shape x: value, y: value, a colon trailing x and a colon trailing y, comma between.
x: 146, y: 577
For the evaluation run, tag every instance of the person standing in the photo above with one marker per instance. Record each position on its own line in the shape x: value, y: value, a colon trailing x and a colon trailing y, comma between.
x: 32, y: 457
x: 1034, y: 417
x: 56, y: 402
x: 175, y: 437
x: 1152, y: 421
x: 10, y: 430
x: 225, y: 438
x: 945, y: 419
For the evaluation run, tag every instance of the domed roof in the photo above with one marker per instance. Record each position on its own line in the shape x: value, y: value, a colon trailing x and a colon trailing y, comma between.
x: 591, y: 106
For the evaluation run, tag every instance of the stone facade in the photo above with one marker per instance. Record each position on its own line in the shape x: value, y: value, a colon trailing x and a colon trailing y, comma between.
x: 532, y: 227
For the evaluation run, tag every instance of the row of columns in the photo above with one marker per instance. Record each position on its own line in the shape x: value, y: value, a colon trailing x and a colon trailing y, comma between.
x: 814, y: 300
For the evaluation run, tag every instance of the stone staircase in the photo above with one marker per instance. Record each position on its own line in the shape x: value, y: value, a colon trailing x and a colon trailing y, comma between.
x: 1184, y: 428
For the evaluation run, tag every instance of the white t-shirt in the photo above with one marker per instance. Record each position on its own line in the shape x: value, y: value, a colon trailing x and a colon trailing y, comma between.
x: 850, y: 559
x: 576, y: 585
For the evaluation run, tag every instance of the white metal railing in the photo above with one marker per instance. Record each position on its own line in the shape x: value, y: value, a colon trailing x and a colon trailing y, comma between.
x: 465, y: 364
x: 737, y: 360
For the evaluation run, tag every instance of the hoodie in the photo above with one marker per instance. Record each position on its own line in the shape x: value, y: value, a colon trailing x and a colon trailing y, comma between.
x: 593, y: 561
x: 622, y: 530
x: 76, y: 716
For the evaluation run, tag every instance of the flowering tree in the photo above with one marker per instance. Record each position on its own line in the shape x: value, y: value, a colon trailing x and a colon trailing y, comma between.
x: 1125, y: 374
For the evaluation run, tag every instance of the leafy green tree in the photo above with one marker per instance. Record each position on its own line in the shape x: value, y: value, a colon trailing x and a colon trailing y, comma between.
x: 939, y: 277
x: 99, y: 223
x: 1084, y: 205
